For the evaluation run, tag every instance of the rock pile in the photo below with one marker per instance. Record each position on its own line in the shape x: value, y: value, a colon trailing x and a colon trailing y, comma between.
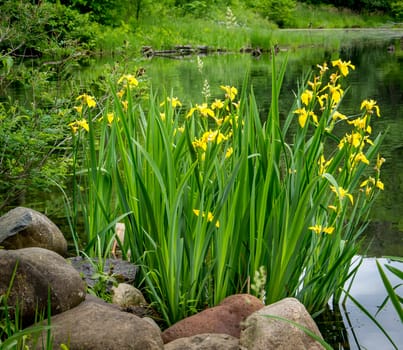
x: 38, y: 276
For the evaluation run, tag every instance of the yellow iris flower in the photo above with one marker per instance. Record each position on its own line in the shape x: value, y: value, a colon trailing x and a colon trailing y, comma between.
x: 110, y: 117
x: 210, y: 216
x: 319, y: 229
x: 360, y: 157
x: 87, y: 99
x: 306, y: 97
x: 303, y: 115
x: 128, y: 79
x: 229, y: 152
x: 379, y: 161
x: 370, y: 105
x: 217, y: 104
x: 79, y: 124
x: 361, y: 123
x: 343, y: 66
x: 342, y: 193
x: 203, y: 109
x: 175, y: 102
x: 230, y: 91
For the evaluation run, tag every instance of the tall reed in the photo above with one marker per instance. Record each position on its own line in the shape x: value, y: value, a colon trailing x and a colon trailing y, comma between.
x: 213, y: 194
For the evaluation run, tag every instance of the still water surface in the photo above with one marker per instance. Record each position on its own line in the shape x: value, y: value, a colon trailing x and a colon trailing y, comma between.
x: 379, y: 76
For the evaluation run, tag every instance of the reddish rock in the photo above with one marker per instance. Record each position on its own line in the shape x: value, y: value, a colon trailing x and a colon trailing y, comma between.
x: 224, y: 318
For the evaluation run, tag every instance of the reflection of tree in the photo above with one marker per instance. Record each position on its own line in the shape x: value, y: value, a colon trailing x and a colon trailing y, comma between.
x: 382, y: 238
x: 333, y: 329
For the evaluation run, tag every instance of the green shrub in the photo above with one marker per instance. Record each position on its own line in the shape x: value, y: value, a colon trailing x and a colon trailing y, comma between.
x: 33, y: 151
x: 44, y: 29
x: 397, y: 9
x: 277, y: 11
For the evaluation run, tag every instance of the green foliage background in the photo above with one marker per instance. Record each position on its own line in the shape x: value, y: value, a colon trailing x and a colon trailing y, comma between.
x: 46, y: 41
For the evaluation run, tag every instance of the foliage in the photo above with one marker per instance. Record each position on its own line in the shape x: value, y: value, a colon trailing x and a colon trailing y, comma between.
x: 397, y: 9
x: 356, y: 5
x: 99, y: 10
x: 104, y: 281
x: 33, y: 150
x: 211, y: 194
x: 278, y: 11
x: 45, y: 29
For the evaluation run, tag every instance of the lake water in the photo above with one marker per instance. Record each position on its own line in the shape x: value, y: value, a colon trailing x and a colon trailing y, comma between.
x: 379, y: 76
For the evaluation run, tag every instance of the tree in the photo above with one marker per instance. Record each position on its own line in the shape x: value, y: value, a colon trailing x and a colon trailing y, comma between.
x: 278, y: 11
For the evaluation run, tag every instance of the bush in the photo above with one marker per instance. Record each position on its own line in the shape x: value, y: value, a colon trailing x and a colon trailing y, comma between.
x: 45, y: 29
x: 278, y: 11
x: 397, y: 9
x: 32, y: 153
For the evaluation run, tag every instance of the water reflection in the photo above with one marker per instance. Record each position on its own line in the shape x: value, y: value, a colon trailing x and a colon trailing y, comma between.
x: 347, y: 327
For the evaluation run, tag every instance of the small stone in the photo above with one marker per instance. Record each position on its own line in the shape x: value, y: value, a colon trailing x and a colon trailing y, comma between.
x: 126, y: 295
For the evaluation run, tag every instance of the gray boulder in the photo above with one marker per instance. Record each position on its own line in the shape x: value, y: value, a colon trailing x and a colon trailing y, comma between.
x: 40, y: 275
x: 209, y: 341
x: 95, y: 325
x: 23, y: 227
x: 260, y: 332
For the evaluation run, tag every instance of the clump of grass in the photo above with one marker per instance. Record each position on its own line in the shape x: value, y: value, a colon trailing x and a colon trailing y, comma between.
x: 211, y: 193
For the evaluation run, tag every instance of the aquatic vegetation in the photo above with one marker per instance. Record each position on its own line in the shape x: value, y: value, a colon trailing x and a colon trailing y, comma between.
x: 210, y: 193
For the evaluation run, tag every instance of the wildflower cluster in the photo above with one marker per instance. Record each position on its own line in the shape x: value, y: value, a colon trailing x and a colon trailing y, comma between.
x: 209, y: 125
x: 214, y: 120
x: 327, y: 96
x: 126, y: 83
x: 210, y: 216
x: 221, y: 114
x: 318, y: 106
x: 87, y: 101
x: 230, y: 18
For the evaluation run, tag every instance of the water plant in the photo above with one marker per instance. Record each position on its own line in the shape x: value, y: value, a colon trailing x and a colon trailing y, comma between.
x: 211, y: 193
